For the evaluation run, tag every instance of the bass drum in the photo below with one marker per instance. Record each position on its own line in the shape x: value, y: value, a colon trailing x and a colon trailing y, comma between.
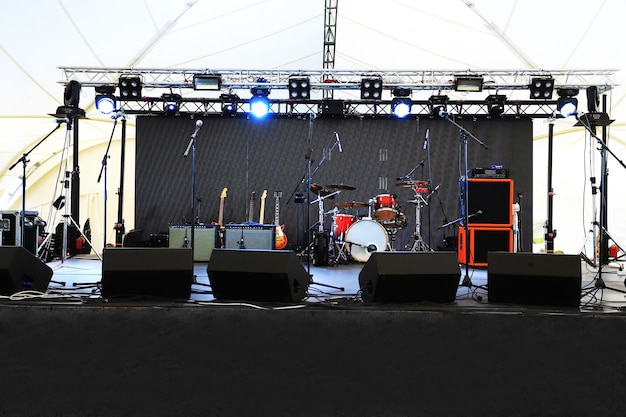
x: 365, y: 237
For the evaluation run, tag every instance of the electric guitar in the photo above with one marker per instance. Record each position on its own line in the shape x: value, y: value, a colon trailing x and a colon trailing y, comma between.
x: 281, y: 238
x: 220, y: 218
x: 262, y: 211
x: 251, y: 208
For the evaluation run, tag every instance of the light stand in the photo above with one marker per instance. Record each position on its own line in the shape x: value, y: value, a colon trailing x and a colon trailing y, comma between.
x: 25, y: 162
x: 550, y: 233
x: 119, y: 226
x: 464, y: 134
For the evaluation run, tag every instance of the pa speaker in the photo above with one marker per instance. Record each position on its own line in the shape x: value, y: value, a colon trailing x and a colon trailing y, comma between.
x: 493, y: 198
x: 20, y: 270
x: 147, y: 272
x: 402, y: 277
x: 257, y: 275
x: 534, y: 279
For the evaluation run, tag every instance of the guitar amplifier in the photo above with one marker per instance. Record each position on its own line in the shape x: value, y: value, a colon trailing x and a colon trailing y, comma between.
x: 250, y: 236
x: 205, y: 238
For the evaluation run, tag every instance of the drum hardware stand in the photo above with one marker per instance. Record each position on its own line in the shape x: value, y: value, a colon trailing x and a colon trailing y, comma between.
x: 25, y: 162
x: 589, y: 124
x: 419, y: 245
x: 464, y: 134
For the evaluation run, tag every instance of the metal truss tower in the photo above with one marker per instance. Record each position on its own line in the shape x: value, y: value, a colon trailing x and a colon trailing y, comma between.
x: 330, y: 40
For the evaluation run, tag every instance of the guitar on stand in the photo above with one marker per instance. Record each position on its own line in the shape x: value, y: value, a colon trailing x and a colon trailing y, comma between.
x: 220, y: 218
x: 281, y: 238
x: 262, y: 209
x: 251, y: 208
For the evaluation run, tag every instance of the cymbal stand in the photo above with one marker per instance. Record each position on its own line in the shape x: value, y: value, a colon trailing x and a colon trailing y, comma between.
x: 419, y: 245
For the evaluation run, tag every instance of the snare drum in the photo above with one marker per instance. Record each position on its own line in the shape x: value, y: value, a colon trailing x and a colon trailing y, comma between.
x: 385, y: 206
x: 364, y: 238
x: 341, y: 223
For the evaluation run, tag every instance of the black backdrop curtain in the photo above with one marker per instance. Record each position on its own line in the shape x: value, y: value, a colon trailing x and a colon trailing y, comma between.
x: 247, y: 155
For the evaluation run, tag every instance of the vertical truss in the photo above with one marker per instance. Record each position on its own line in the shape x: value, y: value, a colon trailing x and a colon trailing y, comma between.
x: 330, y: 39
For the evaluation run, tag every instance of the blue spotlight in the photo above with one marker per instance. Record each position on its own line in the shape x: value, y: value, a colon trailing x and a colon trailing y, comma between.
x: 259, y: 106
x: 567, y: 103
x: 105, y: 100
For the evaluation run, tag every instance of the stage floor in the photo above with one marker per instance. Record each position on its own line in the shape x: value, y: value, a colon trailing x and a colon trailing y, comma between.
x: 77, y: 279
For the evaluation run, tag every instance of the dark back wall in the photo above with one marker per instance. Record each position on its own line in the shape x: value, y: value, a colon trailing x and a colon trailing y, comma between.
x: 246, y: 155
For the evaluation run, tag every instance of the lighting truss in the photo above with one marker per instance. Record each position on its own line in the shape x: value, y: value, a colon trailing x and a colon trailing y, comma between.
x: 340, y: 82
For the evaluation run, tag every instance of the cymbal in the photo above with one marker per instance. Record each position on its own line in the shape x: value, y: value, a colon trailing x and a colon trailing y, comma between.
x: 341, y: 187
x: 412, y: 183
x: 352, y: 204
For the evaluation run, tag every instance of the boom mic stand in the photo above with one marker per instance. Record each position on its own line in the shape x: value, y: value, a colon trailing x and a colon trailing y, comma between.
x: 464, y: 134
x: 192, y: 146
x: 25, y: 162
x: 589, y: 122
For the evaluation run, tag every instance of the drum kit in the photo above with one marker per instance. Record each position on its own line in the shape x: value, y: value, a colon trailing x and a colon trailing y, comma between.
x: 361, y: 228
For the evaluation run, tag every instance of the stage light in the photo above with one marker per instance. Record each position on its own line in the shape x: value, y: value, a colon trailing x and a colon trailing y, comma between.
x: 593, y: 101
x: 438, y: 105
x: 468, y: 83
x: 105, y: 100
x: 299, y: 88
x: 71, y: 95
x: 401, y: 103
x: 371, y: 88
x: 495, y: 104
x: 567, y: 103
x: 171, y: 103
x: 130, y: 88
x: 259, y: 103
x: 207, y: 82
x: 229, y: 103
x: 541, y: 88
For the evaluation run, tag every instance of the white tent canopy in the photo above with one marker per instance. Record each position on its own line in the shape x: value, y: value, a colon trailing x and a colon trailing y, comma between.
x: 40, y: 36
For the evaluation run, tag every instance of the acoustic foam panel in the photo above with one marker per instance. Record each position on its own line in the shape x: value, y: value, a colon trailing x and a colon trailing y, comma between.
x: 257, y: 275
x: 147, y: 272
x: 20, y: 270
x: 403, y: 277
x: 534, y: 279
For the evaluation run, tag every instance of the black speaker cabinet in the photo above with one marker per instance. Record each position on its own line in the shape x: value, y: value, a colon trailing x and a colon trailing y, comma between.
x: 494, y: 198
x: 204, y: 236
x: 11, y: 232
x: 238, y: 236
x: 20, y: 270
x: 534, y: 279
x: 403, y: 277
x: 257, y: 275
x: 483, y: 240
x: 147, y: 272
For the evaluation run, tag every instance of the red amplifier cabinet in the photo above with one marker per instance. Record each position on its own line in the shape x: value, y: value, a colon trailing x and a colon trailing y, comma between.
x: 494, y: 198
x: 483, y: 240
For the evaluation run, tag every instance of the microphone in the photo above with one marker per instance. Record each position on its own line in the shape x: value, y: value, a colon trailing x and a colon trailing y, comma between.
x: 426, y: 138
x: 338, y: 142
x: 371, y: 248
x: 198, y: 126
x: 118, y: 115
x: 443, y: 113
x: 436, y: 188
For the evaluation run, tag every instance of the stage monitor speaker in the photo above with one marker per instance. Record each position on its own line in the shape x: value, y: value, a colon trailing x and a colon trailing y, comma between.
x: 257, y: 275
x: 20, y: 270
x: 534, y: 279
x: 240, y: 236
x: 483, y: 240
x: 147, y: 272
x: 494, y: 198
x: 204, y: 236
x: 404, y: 277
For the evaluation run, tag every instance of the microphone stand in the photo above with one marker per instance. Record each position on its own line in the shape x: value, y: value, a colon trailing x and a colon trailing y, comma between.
x: 192, y: 146
x: 464, y: 134
x: 103, y: 169
x: 25, y: 162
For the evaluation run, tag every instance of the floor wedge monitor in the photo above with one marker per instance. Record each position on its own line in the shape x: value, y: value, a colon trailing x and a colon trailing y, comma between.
x: 147, y: 272
x: 534, y: 279
x: 20, y: 270
x: 257, y: 275
x: 404, y: 277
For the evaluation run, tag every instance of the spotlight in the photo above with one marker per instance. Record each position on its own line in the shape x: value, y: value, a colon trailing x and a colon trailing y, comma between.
x: 541, y: 88
x: 71, y: 95
x: 207, y: 82
x: 229, y: 103
x: 567, y: 103
x: 495, y: 104
x: 593, y: 101
x: 299, y: 88
x: 371, y: 88
x: 468, y: 83
x: 438, y: 105
x: 130, y: 88
x: 259, y: 103
x: 401, y: 103
x: 171, y: 103
x: 105, y: 100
